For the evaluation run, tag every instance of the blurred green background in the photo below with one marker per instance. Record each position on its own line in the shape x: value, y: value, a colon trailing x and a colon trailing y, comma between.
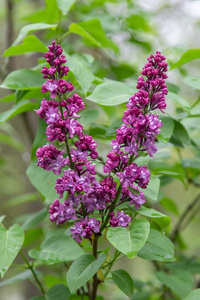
x: 130, y: 31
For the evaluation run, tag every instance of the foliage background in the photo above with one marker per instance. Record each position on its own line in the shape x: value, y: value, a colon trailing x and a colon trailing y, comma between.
x: 170, y: 26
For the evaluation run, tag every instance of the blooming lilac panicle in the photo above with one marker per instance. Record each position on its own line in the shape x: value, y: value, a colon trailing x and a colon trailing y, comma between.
x: 83, y: 193
x: 140, y: 128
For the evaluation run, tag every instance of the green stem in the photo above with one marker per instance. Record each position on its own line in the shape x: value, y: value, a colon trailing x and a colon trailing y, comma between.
x: 63, y: 36
x: 33, y: 272
x: 83, y: 210
x: 116, y: 255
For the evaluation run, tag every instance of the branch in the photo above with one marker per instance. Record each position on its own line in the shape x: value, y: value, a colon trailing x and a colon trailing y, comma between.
x: 183, y: 216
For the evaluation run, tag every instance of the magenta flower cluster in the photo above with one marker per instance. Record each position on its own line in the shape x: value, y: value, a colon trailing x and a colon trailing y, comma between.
x: 83, y: 193
x: 138, y: 132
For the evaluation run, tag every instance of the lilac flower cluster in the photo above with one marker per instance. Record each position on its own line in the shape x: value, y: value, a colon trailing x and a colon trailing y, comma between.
x: 83, y: 193
x: 121, y: 219
x: 138, y: 132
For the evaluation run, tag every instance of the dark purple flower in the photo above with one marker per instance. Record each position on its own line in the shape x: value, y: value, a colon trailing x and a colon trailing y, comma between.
x: 85, y: 228
x: 56, y: 165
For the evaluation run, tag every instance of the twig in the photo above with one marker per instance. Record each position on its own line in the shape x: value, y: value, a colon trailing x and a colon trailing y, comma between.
x: 33, y: 272
x: 188, y: 209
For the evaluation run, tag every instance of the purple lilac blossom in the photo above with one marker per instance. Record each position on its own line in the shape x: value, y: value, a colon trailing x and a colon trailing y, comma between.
x: 51, y: 159
x: 85, y: 228
x: 121, y: 219
x: 137, y: 134
x: 140, y: 128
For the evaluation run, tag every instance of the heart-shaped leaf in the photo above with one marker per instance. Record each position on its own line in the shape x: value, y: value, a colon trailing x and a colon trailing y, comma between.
x: 129, y: 240
x: 11, y: 241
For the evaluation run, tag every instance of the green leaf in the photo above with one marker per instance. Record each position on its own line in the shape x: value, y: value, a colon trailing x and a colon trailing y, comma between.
x: 170, y: 205
x: 124, y: 282
x: 40, y: 139
x: 82, y: 269
x: 57, y: 247
x: 166, y: 129
x: 11, y: 241
x: 97, y: 131
x: 8, y: 98
x: 32, y: 235
x: 152, y: 190
x: 180, y: 135
x: 133, y: 191
x: 139, y: 23
x: 129, y: 240
x: 30, y: 44
x: 111, y: 93
x: 194, y: 295
x: 94, y: 28
x: 23, y: 79
x: 32, y: 28
x: 65, y: 5
x: 50, y: 14
x: 189, y: 55
x: 161, y: 167
x: 17, y: 278
x: 77, y: 29
x: 111, y: 131
x: 58, y: 292
x: 193, y: 163
x: 88, y: 116
x: 44, y: 181
x: 161, y: 219
x: 191, y: 266
x: 93, y: 32
x: 52, y: 279
x: 179, y: 100
x: 22, y: 199
x: 192, y: 81
x: 17, y: 109
x: 158, y: 247
x: 82, y: 70
x: 35, y: 219
x: 181, y: 282
x: 2, y: 218
x: 122, y: 70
